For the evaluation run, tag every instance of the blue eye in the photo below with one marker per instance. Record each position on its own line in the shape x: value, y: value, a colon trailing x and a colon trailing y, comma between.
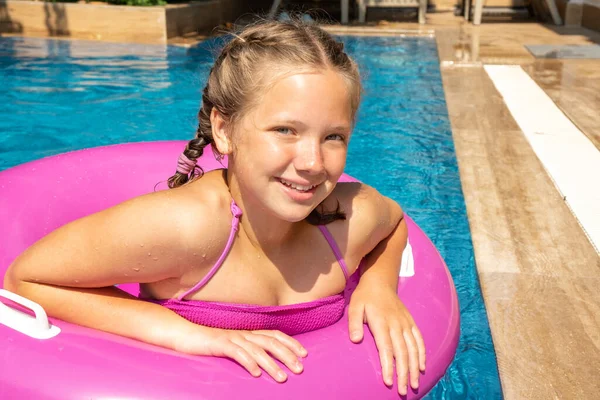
x: 335, y: 137
x: 284, y: 131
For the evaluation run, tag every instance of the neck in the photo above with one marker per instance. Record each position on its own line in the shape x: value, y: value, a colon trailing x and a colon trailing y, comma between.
x: 265, y: 231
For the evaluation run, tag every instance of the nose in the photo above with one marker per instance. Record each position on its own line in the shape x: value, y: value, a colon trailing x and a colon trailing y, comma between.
x: 309, y: 157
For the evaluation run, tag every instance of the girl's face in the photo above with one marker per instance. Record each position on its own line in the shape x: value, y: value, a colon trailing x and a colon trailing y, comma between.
x: 290, y: 150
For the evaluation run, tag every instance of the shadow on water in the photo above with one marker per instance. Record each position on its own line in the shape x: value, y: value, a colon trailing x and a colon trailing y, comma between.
x: 7, y: 24
x: 56, y: 19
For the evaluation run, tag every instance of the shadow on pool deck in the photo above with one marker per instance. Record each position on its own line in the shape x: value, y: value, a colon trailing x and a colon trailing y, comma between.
x: 56, y: 19
x: 7, y: 24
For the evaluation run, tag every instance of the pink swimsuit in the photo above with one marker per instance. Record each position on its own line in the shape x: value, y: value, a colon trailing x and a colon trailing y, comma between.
x: 290, y: 319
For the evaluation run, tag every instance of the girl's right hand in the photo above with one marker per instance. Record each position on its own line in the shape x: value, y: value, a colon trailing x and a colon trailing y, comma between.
x: 253, y: 350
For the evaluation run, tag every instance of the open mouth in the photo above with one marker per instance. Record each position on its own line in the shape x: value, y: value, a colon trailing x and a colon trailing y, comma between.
x: 297, y: 187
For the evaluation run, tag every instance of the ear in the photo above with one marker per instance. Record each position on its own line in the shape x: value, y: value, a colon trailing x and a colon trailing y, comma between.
x: 220, y: 132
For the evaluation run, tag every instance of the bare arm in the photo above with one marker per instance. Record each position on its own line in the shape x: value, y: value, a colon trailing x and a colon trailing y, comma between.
x: 71, y: 272
x: 375, y: 300
x: 382, y: 264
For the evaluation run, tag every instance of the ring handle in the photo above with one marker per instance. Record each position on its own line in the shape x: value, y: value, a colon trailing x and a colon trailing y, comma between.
x: 38, y: 327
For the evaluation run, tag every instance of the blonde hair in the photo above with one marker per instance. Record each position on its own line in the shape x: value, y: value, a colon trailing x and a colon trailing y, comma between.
x: 236, y: 76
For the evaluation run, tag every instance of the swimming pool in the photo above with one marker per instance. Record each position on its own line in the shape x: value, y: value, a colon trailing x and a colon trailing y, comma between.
x: 66, y: 95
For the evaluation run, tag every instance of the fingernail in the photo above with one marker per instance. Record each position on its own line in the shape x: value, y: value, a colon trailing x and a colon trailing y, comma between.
x: 298, y: 367
x: 355, y: 335
x: 281, y: 376
x: 257, y: 373
x: 303, y: 351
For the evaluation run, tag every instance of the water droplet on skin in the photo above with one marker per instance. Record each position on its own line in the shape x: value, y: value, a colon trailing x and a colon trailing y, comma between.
x: 136, y: 269
x: 149, y: 254
x: 142, y: 245
x: 76, y: 280
x: 155, y: 258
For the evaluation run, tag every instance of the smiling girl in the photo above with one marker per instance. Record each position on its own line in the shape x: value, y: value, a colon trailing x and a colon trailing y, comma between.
x: 234, y: 262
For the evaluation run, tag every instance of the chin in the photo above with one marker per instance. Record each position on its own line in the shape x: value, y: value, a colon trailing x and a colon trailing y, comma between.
x: 297, y: 215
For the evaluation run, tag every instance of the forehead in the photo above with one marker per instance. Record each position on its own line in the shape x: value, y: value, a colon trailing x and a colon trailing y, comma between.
x: 319, y: 96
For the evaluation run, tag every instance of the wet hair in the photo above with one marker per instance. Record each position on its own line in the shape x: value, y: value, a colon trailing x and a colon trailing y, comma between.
x: 237, y: 76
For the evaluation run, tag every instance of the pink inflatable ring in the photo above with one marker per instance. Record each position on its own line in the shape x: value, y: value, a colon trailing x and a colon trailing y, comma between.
x: 65, y: 361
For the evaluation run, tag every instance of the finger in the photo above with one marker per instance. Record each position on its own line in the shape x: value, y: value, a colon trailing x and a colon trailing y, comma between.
x: 277, y: 349
x: 413, y: 359
x: 356, y: 313
x: 421, y: 346
x: 237, y: 353
x: 287, y: 340
x: 261, y: 357
x: 401, y: 356
x: 381, y: 334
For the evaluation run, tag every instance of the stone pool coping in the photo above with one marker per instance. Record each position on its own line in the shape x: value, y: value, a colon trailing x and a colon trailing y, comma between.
x: 149, y: 25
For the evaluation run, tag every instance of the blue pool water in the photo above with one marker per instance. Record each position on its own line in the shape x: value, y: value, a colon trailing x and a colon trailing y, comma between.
x: 58, y: 96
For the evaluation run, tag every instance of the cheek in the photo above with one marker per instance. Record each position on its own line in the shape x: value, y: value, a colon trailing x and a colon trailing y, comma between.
x: 336, y: 162
x: 261, y: 154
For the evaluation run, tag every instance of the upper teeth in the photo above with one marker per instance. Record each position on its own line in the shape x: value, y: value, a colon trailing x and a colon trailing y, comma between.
x: 296, y: 186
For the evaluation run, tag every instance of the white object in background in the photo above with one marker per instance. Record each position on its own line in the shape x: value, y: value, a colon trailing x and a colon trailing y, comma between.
x: 569, y: 157
x: 37, y: 327
x: 420, y: 4
x: 407, y: 265
x: 478, y: 12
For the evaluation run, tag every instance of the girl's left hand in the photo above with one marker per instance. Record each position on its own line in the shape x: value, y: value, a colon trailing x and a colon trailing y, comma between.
x: 394, y: 330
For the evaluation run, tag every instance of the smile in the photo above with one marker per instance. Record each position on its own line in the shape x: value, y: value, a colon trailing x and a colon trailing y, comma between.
x: 295, y: 186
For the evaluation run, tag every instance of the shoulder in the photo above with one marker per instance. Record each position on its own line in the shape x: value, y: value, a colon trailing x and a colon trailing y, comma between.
x: 180, y: 222
x: 370, y: 216
x: 159, y: 235
x: 200, y: 209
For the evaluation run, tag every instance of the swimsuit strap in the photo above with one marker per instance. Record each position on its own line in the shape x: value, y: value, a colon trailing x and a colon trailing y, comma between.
x: 235, y: 224
x: 335, y: 248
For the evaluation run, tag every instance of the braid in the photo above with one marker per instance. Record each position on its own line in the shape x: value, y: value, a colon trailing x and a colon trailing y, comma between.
x: 195, y: 147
